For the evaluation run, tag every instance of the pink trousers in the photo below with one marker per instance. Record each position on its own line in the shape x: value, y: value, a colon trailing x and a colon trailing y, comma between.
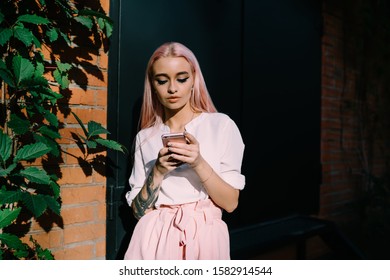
x: 193, y: 231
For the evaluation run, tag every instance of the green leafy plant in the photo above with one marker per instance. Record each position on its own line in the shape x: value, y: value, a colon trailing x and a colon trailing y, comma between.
x: 43, y: 46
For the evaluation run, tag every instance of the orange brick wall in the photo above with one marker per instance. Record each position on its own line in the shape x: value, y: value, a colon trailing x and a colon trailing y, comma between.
x: 81, y: 233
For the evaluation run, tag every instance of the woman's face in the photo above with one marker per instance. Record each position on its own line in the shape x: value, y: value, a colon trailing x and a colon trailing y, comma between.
x: 173, y: 81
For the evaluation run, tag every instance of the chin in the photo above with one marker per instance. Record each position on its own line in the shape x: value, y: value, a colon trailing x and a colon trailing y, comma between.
x: 174, y: 106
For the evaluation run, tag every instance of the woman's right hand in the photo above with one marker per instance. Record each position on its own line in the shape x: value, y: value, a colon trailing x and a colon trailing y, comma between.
x: 165, y: 163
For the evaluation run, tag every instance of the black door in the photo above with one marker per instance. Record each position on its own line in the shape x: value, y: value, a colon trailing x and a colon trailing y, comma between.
x: 261, y: 61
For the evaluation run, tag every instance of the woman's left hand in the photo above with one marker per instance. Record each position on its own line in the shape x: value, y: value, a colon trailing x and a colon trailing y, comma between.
x: 186, y: 153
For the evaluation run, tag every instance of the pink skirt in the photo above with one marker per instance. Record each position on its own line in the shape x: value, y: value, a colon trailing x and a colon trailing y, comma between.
x: 193, y: 231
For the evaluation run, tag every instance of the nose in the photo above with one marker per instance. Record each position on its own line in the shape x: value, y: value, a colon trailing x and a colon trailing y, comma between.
x: 172, y: 88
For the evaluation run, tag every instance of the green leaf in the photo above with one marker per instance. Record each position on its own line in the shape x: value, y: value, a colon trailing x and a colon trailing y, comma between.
x: 66, y: 38
x: 95, y: 128
x: 12, y: 241
x: 52, y: 34
x: 5, y: 36
x: 36, y: 42
x: 101, y: 23
x: 24, y: 35
x: 35, y: 175
x: 8, y: 170
x: 67, y: 7
x: 3, y: 65
x: 91, y: 144
x: 36, y: 107
x: 45, y: 130
x: 56, y: 188
x: 53, y: 120
x: 39, y: 71
x: 36, y: 203
x: 23, y: 68
x: 53, y: 204
x: 33, y: 19
x: 81, y: 124
x: 18, y: 125
x: 3, y: 172
x: 31, y: 151
x: 35, y: 82
x: 61, y: 78
x: 89, y: 12
x: 53, y: 145
x: 9, y: 196
x: 86, y: 21
x: 111, y: 144
x: 5, y: 147
x: 7, y: 216
x: 52, y: 94
x: 7, y: 77
x: 1, y: 17
x: 109, y: 27
x: 45, y: 94
x: 63, y: 67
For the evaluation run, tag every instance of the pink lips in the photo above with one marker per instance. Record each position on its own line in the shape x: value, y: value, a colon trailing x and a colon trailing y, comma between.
x: 173, y: 99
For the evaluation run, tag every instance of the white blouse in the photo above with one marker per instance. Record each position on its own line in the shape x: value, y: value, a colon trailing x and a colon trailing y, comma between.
x: 220, y: 144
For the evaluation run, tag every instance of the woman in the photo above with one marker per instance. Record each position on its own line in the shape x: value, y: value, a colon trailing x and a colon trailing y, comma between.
x: 178, y: 192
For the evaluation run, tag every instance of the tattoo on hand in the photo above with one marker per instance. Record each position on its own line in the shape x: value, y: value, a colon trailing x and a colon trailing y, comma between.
x: 140, y: 203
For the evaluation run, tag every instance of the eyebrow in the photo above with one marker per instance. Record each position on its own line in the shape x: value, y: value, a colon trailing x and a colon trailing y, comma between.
x: 166, y: 75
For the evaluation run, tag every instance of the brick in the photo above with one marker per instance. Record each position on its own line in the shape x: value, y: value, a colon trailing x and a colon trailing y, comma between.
x: 101, y: 210
x: 83, y: 232
x: 72, y: 155
x: 48, y: 240
x: 101, y: 249
x: 82, y: 195
x: 74, y: 175
x: 89, y: 114
x: 105, y: 5
x: 78, y: 252
x: 103, y: 60
x: 330, y: 144
x: 101, y: 97
x: 327, y: 134
x: 78, y: 214
x: 67, y: 134
x: 99, y: 178
x: 97, y: 78
x: 82, y: 97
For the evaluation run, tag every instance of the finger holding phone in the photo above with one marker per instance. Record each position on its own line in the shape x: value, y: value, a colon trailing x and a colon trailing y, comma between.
x: 176, y: 145
x: 185, y: 151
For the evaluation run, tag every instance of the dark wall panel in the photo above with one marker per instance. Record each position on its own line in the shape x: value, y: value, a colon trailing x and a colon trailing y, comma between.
x: 281, y: 108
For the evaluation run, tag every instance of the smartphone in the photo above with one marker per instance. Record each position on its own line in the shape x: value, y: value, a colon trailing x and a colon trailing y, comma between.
x: 173, y: 137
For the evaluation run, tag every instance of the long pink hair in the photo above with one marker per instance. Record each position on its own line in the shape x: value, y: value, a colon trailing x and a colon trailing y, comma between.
x: 152, y: 112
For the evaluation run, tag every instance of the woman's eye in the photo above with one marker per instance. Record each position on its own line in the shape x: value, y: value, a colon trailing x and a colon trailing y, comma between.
x: 161, y: 82
x: 182, y: 80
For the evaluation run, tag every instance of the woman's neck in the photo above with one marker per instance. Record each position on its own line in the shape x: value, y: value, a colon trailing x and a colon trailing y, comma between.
x: 178, y: 121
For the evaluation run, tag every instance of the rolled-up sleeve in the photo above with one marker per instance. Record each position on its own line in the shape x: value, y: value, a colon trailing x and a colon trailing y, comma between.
x: 232, y: 156
x: 137, y: 178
